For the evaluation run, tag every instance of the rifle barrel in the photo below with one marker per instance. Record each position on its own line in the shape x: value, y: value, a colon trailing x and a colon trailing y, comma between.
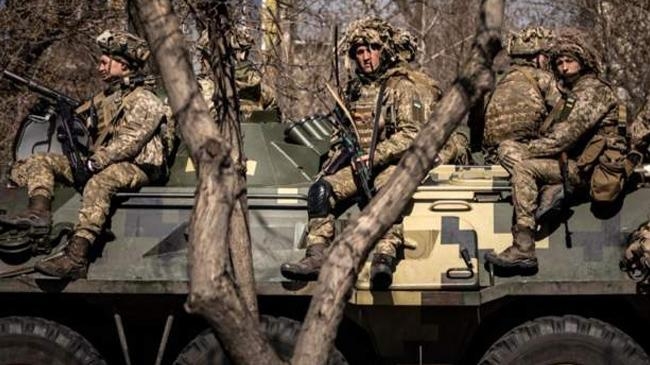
x: 40, y: 89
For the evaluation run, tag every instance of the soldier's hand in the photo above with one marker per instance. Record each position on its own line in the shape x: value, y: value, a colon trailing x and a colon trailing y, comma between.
x: 363, y: 159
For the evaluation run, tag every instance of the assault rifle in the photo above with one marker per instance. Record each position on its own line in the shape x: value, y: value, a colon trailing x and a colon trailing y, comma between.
x: 351, y: 150
x: 68, y: 123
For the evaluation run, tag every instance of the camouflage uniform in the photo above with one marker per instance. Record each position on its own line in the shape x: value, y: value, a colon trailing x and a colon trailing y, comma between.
x: 128, y: 149
x: 253, y: 94
x: 521, y: 100
x: 594, y: 111
x: 639, y: 132
x: 408, y: 99
x: 637, y: 253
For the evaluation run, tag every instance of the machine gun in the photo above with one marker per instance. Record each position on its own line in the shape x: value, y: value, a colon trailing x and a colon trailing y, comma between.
x: 351, y: 150
x: 69, y: 125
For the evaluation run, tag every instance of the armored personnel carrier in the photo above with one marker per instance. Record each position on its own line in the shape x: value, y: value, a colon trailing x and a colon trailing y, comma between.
x: 445, y: 305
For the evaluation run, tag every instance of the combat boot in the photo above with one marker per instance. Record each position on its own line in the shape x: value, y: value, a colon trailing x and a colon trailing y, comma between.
x: 308, y: 268
x: 38, y: 214
x: 521, y: 255
x: 71, y: 263
x: 550, y: 198
x: 381, y: 271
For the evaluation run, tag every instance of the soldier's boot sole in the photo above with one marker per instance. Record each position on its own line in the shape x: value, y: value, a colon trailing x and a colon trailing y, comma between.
x: 381, y: 271
x: 299, y: 272
x: 26, y: 221
x: 529, y: 263
x: 62, y: 266
x: 381, y: 277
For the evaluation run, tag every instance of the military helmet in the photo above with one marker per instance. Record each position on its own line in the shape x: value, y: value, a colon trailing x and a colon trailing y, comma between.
x: 396, y: 43
x: 574, y: 43
x: 240, y: 40
x: 124, y: 47
x: 530, y: 41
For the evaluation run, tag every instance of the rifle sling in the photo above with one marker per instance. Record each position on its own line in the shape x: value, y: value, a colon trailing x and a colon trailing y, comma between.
x: 375, y: 124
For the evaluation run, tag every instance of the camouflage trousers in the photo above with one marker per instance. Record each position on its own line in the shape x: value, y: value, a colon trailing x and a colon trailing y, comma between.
x: 509, y: 153
x: 527, y: 177
x: 456, y: 150
x: 40, y: 171
x: 321, y: 230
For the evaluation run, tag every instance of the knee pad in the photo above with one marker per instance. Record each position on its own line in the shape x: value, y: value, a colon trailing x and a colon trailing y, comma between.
x: 318, y: 199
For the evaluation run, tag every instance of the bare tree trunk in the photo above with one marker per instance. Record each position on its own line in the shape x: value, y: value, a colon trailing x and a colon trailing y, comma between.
x: 227, y: 107
x: 213, y: 291
x: 351, y: 249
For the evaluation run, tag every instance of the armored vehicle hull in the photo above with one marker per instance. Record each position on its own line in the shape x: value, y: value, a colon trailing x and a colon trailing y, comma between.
x: 445, y: 305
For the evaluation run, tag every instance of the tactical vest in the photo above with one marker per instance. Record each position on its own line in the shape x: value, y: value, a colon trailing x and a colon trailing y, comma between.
x: 362, y: 102
x: 516, y: 108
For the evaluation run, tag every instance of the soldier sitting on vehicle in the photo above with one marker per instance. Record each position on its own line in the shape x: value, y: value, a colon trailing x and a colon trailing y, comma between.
x: 253, y: 94
x: 129, y: 151
x: 584, y: 126
x: 521, y: 100
x: 637, y: 254
x: 406, y: 99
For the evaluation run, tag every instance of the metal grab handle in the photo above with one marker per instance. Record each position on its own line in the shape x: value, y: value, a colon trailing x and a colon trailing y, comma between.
x: 450, y: 206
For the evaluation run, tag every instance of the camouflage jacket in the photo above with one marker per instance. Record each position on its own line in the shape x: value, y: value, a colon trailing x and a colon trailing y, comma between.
x: 639, y: 131
x: 518, y: 105
x: 253, y: 95
x: 408, y: 100
x: 595, y: 111
x: 129, y: 129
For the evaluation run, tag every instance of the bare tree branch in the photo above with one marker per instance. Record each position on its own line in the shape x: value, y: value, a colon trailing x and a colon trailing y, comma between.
x: 213, y: 291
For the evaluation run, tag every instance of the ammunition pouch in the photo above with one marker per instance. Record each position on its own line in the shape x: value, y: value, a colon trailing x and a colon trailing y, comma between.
x: 605, y: 158
x: 318, y: 199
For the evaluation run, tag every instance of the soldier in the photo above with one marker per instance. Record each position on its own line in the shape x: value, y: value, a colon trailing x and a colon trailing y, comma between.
x: 128, y: 151
x: 407, y: 97
x: 522, y: 98
x: 253, y: 94
x: 586, y: 112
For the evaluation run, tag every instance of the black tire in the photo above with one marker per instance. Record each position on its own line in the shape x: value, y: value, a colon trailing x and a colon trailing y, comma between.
x: 282, y: 332
x: 565, y: 340
x: 36, y: 341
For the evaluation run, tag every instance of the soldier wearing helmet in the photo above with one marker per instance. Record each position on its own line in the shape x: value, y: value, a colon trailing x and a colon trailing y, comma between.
x: 583, y: 125
x: 521, y: 99
x: 129, y: 150
x: 253, y: 94
x: 386, y: 91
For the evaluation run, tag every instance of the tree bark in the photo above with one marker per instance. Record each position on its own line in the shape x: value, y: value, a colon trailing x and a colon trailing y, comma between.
x: 214, y: 293
x: 352, y: 247
x: 227, y: 107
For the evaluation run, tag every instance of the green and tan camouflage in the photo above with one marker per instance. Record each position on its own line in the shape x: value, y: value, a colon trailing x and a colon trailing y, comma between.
x: 530, y: 41
x: 521, y: 100
x: 124, y: 47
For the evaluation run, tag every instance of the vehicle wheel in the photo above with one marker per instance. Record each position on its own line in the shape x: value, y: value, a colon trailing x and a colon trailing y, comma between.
x: 36, y: 341
x: 282, y: 332
x: 565, y: 340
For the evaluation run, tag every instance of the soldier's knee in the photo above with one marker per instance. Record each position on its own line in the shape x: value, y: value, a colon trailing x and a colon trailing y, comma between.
x: 318, y: 199
x: 97, y: 186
